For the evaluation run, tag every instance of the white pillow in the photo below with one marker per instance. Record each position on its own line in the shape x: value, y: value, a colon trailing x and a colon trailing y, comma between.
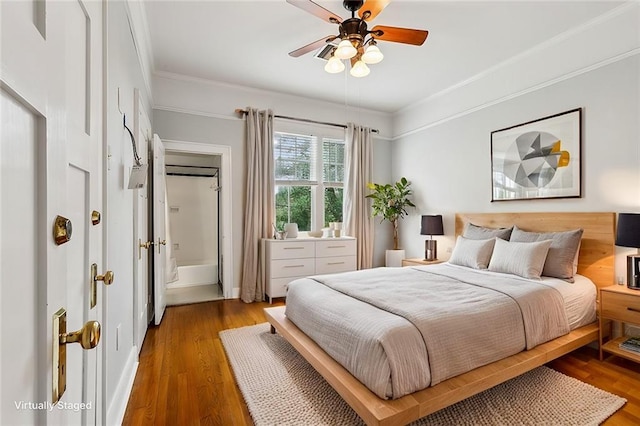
x: 472, y: 253
x: 523, y: 259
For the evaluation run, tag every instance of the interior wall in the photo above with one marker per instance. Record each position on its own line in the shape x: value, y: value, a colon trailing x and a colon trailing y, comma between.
x: 124, y: 74
x: 195, y: 110
x: 449, y: 163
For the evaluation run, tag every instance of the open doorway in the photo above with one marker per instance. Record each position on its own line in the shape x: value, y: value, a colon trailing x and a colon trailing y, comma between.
x: 193, y: 216
x: 199, y: 223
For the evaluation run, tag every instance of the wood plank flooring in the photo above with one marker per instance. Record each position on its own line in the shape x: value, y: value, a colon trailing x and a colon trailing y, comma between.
x: 184, y: 378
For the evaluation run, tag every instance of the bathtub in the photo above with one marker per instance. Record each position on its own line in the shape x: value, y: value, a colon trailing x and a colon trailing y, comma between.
x: 193, y: 275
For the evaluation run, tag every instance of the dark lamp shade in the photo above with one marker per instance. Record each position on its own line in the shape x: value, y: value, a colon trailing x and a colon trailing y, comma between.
x: 432, y: 225
x: 628, y: 234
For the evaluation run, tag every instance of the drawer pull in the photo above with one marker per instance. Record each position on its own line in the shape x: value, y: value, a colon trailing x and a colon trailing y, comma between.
x: 335, y: 247
x: 335, y: 263
x: 294, y: 266
x: 293, y: 248
x: 633, y: 309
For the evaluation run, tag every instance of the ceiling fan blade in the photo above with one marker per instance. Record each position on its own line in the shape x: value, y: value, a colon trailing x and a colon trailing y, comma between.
x: 400, y: 35
x: 371, y: 8
x: 317, y: 10
x: 312, y: 46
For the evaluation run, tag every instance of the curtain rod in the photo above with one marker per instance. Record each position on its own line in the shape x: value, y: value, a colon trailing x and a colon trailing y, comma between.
x: 304, y: 120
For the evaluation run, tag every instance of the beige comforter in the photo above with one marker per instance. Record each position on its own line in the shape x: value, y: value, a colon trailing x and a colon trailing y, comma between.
x: 399, y: 330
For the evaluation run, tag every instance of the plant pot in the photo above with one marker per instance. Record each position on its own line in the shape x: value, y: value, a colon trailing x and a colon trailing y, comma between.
x: 393, y: 258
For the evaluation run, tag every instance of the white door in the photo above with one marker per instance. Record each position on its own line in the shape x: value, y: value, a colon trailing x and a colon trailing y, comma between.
x: 51, y: 157
x: 142, y: 130
x: 159, y: 229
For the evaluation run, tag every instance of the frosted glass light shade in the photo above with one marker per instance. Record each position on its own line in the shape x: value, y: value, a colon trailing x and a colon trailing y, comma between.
x: 360, y: 69
x: 345, y: 50
x: 372, y: 55
x: 334, y: 65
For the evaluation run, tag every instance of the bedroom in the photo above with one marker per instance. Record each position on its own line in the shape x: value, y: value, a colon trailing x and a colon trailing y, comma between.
x: 440, y: 142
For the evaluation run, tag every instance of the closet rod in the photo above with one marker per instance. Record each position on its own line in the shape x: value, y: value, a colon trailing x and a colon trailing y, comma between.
x: 304, y: 120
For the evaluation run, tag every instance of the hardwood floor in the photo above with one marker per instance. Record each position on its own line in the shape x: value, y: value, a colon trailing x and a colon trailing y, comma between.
x: 184, y: 378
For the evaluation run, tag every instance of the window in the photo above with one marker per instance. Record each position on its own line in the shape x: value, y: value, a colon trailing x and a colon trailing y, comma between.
x: 309, y: 179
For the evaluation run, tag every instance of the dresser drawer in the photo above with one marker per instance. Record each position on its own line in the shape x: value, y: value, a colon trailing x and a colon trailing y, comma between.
x: 336, y: 248
x: 291, y: 268
x: 333, y: 265
x: 620, y: 306
x: 292, y: 249
x: 277, y: 287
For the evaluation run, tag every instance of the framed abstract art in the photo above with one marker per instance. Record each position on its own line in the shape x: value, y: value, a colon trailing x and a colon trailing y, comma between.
x: 538, y: 159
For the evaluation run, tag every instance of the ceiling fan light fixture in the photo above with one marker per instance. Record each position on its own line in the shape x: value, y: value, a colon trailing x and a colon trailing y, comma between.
x: 345, y: 50
x: 372, y: 55
x: 360, y: 69
x: 334, y: 65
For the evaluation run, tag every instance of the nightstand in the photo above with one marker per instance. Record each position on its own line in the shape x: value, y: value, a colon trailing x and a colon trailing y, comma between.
x: 618, y: 303
x: 417, y: 262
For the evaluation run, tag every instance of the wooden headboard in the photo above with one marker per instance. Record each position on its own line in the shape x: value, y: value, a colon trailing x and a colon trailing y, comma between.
x: 596, y: 259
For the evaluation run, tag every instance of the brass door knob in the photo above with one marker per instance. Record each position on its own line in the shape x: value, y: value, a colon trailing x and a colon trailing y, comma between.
x: 161, y: 242
x: 88, y: 336
x: 107, y: 278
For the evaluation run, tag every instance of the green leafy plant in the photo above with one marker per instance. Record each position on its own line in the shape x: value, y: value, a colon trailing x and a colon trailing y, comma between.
x: 391, y: 202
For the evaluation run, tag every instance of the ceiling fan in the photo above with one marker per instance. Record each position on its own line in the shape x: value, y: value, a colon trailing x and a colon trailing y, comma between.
x: 357, y: 42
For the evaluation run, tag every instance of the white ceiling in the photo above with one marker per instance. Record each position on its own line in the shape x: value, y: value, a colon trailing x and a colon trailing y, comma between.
x: 246, y: 43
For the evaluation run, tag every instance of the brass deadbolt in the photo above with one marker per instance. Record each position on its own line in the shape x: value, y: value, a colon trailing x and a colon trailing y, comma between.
x: 62, y: 230
x: 95, y: 217
x: 88, y: 336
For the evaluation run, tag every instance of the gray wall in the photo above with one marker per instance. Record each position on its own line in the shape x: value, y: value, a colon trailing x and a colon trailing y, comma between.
x: 450, y: 163
x: 123, y: 76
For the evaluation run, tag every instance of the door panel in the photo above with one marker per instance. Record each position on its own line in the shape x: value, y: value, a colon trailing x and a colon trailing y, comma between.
x: 159, y: 229
x: 19, y: 273
x: 51, y: 156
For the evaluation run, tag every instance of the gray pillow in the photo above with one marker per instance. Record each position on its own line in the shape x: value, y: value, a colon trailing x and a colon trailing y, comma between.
x: 523, y: 259
x: 562, y: 259
x: 475, y: 232
x: 472, y: 253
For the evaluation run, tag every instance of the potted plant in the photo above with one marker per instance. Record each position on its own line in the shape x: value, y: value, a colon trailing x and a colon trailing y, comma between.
x: 391, y: 202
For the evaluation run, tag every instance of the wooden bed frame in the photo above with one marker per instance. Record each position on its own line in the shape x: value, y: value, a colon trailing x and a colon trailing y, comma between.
x: 596, y: 261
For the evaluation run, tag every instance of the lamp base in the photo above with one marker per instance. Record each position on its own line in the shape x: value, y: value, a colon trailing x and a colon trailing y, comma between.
x: 633, y: 272
x: 431, y: 250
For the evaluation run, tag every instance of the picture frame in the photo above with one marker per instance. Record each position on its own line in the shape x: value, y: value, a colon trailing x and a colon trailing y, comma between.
x: 539, y: 159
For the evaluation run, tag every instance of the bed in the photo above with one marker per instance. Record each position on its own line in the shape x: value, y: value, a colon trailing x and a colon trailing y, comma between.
x: 595, y: 262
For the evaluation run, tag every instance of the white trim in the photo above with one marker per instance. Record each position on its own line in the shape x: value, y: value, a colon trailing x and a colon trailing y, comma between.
x: 524, y: 54
x: 137, y: 17
x: 531, y: 89
x: 118, y: 406
x: 225, y: 202
x: 252, y: 90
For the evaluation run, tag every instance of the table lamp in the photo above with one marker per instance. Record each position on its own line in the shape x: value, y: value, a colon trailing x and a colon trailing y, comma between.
x: 431, y: 225
x: 628, y: 235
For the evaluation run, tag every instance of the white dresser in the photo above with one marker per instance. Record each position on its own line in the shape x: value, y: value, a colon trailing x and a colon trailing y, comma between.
x: 287, y: 260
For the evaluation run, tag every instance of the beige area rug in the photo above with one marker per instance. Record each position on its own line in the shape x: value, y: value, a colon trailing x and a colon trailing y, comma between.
x: 281, y: 388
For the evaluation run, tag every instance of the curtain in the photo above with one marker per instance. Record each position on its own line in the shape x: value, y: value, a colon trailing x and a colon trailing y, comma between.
x: 357, y: 218
x: 259, y: 201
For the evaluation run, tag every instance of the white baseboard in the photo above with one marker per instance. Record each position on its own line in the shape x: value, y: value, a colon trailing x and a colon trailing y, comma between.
x: 236, y: 293
x: 118, y: 406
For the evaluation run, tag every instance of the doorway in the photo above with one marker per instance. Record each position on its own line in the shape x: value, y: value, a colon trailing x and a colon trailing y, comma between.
x: 193, y: 220
x: 198, y: 214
